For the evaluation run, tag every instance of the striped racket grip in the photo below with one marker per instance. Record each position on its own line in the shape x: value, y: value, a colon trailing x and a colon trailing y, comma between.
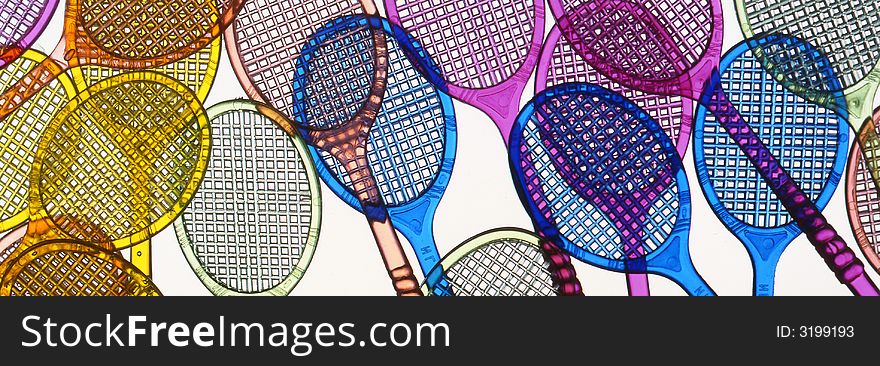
x: 402, y: 276
x: 837, y: 255
x: 562, y: 270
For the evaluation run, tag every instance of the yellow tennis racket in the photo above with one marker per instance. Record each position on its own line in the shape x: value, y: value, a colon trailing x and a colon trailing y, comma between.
x: 197, y: 72
x: 117, y: 164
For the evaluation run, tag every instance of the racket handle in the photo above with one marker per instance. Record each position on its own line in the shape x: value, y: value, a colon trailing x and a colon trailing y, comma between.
x: 399, y: 269
x: 837, y: 255
x: 562, y: 270
x: 29, y: 85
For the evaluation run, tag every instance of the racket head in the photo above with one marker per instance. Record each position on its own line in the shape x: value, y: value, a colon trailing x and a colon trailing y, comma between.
x: 265, y: 72
x: 664, y: 47
x: 72, y: 268
x: 411, y: 146
x: 572, y: 221
x: 461, y: 55
x: 197, y: 71
x: 863, y: 202
x: 559, y: 63
x: 22, y: 23
x: 499, y: 262
x: 833, y: 27
x: 808, y: 139
x: 21, y: 134
x: 340, y: 75
x: 138, y: 164
x: 253, y: 226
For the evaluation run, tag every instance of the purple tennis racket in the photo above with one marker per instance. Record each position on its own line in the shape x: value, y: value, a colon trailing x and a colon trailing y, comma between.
x: 560, y: 64
x: 673, y: 48
x: 485, y: 51
x: 21, y: 22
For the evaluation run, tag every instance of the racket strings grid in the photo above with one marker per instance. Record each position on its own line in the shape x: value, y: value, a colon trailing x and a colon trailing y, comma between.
x: 654, y: 40
x: 802, y: 136
x: 506, y: 267
x: 581, y: 221
x: 845, y: 30
x: 20, y: 135
x: 118, y: 162
x: 251, y: 222
x: 145, y: 29
x: 463, y: 36
x: 17, y: 18
x: 74, y: 269
x: 407, y: 143
x: 267, y: 42
x: 566, y: 66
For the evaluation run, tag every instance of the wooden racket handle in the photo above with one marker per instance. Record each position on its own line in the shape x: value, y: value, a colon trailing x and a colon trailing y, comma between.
x: 399, y: 269
x: 562, y: 270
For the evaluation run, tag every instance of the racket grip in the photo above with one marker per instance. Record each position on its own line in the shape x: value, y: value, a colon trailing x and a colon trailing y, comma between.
x: 833, y: 249
x: 402, y: 276
x: 562, y: 270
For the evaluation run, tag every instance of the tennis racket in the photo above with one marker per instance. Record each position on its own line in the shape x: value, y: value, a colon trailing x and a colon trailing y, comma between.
x: 22, y: 23
x: 671, y: 48
x: 338, y: 88
x: 863, y: 203
x: 112, y: 172
x: 485, y: 51
x: 498, y: 262
x: 20, y: 135
x: 604, y: 182
x: 559, y: 64
x: 410, y: 150
x: 252, y: 227
x: 263, y: 46
x: 809, y: 140
x: 130, y: 40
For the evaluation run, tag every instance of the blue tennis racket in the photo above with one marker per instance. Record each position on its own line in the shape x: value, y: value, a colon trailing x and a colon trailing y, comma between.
x: 410, y: 150
x: 809, y: 140
x: 604, y: 182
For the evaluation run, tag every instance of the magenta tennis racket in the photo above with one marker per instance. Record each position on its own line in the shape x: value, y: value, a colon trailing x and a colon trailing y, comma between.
x: 21, y: 22
x: 560, y: 64
x: 485, y: 51
x: 673, y: 48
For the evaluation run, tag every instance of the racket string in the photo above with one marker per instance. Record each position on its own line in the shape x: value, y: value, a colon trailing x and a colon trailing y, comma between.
x: 250, y: 221
x: 60, y: 272
x: 867, y: 205
x: 335, y: 74
x: 462, y: 36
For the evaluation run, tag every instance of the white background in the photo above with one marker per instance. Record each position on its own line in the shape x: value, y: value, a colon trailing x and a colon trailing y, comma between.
x: 481, y: 196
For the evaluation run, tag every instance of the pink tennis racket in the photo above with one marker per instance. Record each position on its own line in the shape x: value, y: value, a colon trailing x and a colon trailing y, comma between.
x: 485, y: 51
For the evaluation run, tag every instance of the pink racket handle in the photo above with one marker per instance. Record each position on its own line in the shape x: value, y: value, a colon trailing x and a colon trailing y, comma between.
x: 562, y: 270
x: 837, y: 255
x: 399, y: 269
